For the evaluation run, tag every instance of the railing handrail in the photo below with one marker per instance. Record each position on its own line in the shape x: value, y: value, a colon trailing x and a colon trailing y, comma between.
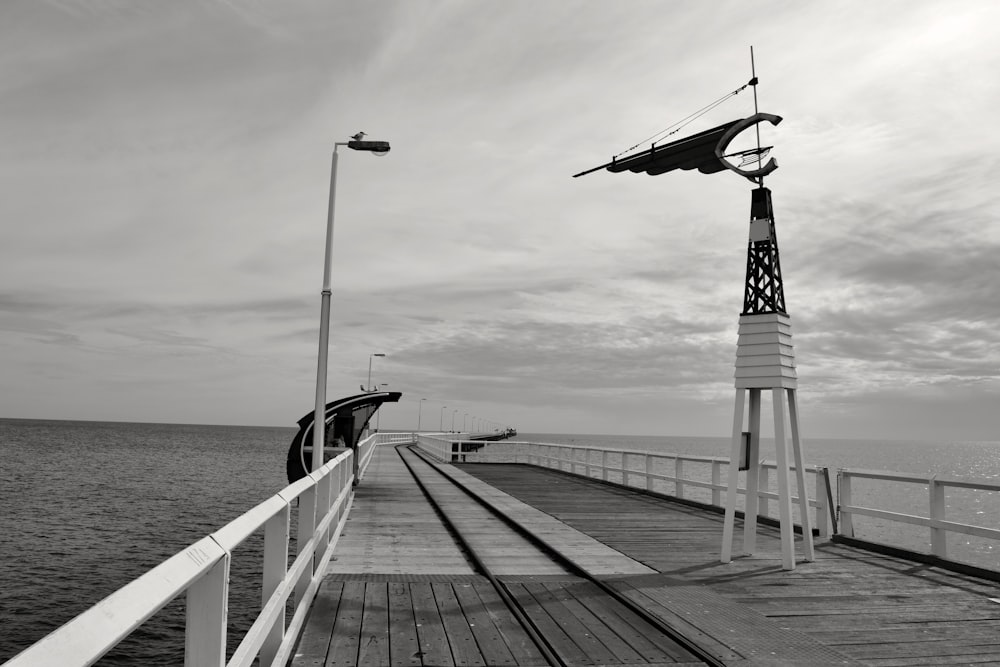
x: 451, y: 449
x: 202, y: 570
x: 935, y: 521
x: 944, y: 480
x: 561, y: 455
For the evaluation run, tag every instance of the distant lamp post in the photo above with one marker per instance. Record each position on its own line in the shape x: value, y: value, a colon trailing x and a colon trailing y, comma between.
x: 373, y: 354
x: 441, y: 425
x: 379, y: 413
x: 453, y: 413
x: 420, y: 406
x: 319, y: 417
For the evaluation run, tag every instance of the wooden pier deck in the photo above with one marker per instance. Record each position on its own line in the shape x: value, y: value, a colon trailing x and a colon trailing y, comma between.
x: 404, y: 591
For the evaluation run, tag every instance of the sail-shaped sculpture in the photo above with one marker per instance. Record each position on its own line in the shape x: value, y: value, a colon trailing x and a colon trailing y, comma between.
x: 764, y: 353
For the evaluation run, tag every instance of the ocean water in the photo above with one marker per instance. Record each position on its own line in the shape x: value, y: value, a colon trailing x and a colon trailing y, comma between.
x: 89, y: 506
x: 85, y: 507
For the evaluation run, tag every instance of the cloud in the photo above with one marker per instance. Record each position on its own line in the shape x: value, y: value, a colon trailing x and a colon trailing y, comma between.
x: 166, y: 170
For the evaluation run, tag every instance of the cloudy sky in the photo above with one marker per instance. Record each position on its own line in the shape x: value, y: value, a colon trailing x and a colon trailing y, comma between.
x: 165, y: 170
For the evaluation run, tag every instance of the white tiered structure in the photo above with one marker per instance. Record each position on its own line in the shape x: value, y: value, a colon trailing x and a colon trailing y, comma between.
x: 765, y: 359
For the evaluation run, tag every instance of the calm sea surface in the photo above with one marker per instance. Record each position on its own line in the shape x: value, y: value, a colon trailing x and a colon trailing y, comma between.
x: 85, y: 507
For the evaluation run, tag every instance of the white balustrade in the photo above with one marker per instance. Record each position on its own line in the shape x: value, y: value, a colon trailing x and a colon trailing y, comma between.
x: 201, y: 572
x: 611, y: 463
x: 936, y: 521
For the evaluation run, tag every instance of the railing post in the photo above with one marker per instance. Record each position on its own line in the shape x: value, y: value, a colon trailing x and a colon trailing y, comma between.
x: 846, y: 523
x: 586, y: 462
x: 679, y: 477
x: 716, y: 483
x: 939, y: 537
x: 604, y: 465
x: 307, y: 525
x: 762, y: 483
x: 649, y: 472
x: 207, y: 604
x: 822, y: 505
x: 323, y: 503
x: 274, y: 568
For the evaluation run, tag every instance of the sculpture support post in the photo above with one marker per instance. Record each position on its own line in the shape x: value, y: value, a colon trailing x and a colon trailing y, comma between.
x: 765, y: 360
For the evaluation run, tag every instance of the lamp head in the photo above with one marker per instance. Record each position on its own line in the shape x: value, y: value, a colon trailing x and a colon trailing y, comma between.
x: 375, y: 147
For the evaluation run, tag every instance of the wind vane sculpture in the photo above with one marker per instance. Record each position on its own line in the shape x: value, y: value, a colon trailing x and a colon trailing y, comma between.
x: 764, y: 353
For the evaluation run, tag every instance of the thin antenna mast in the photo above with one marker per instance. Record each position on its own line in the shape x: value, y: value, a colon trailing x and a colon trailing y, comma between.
x: 753, y: 83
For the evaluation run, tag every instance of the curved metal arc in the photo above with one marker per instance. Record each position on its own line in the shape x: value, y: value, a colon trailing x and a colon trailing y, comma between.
x: 732, y: 132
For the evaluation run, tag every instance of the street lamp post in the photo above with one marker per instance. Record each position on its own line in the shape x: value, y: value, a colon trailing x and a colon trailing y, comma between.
x: 368, y: 387
x: 319, y: 416
x: 378, y: 414
x: 420, y: 406
x: 441, y: 425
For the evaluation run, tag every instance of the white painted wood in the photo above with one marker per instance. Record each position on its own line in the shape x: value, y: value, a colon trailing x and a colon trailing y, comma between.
x: 846, y: 525
x: 307, y: 524
x: 752, y: 499
x: 773, y: 338
x: 763, y: 486
x: 784, y: 492
x: 679, y: 474
x: 766, y: 360
x: 649, y: 473
x: 765, y: 317
x: 302, y: 611
x: 765, y: 348
x: 800, y: 478
x: 716, y: 481
x: 207, y: 608
x: 232, y: 534
x: 84, y: 639
x: 939, y: 538
x: 764, y: 327
x: 729, y: 521
x: 275, y: 565
x: 822, y: 506
x: 201, y: 571
x: 765, y: 371
x: 767, y: 382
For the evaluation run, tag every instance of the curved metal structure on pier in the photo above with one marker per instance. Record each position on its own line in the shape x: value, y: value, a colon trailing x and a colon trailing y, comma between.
x: 346, y: 419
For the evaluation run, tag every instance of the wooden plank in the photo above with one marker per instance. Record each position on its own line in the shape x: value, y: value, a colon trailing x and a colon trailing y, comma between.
x: 521, y: 647
x: 434, y: 647
x: 464, y: 650
x: 491, y: 644
x: 557, y: 639
x: 593, y: 625
x: 650, y: 642
x: 404, y: 645
x: 393, y: 529
x: 347, y: 627
x: 374, y: 644
x: 314, y: 642
x: 856, y: 601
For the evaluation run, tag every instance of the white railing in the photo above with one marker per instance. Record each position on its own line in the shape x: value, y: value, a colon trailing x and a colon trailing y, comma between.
x: 631, y: 468
x: 935, y: 520
x: 395, y: 438
x: 202, y: 572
